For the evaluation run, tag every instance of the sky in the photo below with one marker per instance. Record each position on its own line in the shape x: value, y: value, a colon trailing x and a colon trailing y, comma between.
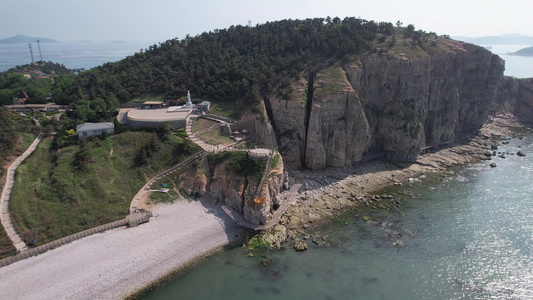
x: 154, y: 21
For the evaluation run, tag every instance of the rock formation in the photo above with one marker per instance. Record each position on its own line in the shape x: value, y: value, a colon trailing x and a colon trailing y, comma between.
x: 515, y: 96
x: 388, y: 104
x: 238, y: 192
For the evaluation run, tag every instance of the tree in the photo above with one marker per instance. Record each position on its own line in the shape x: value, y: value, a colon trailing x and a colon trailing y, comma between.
x: 7, y: 131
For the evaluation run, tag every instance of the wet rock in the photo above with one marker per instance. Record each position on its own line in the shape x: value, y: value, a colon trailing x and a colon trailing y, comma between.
x: 493, y: 165
x: 520, y: 153
x: 299, y: 244
x: 265, y: 262
x: 276, y: 236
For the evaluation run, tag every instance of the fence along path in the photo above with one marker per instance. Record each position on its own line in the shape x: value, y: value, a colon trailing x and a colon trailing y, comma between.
x: 259, y: 191
x: 6, y: 195
x: 146, y: 188
x: 54, y: 244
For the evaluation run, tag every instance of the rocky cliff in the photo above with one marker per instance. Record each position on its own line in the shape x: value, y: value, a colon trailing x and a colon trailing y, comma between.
x: 394, y: 103
x: 515, y: 96
x: 238, y: 191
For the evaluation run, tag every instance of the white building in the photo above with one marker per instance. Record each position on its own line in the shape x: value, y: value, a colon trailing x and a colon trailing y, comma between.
x: 86, y: 130
x: 204, y: 106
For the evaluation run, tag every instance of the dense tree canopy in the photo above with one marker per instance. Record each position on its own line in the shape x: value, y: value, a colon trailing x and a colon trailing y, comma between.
x: 13, y: 81
x: 238, y: 63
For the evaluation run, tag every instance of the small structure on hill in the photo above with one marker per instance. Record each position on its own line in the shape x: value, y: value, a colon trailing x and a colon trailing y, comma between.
x: 86, y: 130
x: 204, y: 106
x: 152, y: 104
x: 21, y: 98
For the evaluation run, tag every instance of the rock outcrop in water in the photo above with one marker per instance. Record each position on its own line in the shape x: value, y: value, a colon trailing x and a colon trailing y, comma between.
x: 391, y: 104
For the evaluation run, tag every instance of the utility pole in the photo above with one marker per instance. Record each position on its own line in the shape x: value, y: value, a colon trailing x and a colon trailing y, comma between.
x: 31, y: 52
x: 40, y: 54
x: 249, y: 23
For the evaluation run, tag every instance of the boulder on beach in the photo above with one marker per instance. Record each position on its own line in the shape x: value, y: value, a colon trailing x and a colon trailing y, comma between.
x: 520, y: 153
x: 493, y: 165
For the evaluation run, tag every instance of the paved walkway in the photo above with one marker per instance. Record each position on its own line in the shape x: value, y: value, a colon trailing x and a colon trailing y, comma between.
x: 291, y: 198
x: 6, y: 194
x: 195, y: 139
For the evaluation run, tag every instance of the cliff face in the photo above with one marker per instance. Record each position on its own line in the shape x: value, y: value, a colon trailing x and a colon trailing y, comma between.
x: 393, y: 103
x: 238, y: 192
x: 515, y: 96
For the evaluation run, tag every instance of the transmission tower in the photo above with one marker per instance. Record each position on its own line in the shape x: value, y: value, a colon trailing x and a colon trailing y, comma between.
x: 31, y: 52
x: 40, y: 54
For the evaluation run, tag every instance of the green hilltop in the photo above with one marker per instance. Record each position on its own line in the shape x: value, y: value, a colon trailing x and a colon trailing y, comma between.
x: 243, y: 63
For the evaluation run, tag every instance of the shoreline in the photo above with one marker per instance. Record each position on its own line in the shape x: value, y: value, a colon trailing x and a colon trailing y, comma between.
x: 123, y: 262
x: 129, y: 262
x: 329, y: 193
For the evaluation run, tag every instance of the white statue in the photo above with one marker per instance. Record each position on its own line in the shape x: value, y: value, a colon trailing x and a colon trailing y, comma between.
x: 189, y: 103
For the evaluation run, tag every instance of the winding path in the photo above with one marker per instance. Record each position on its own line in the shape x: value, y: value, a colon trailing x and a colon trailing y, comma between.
x: 6, y: 194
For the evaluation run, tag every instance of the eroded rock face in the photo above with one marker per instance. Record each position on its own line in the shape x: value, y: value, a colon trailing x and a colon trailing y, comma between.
x: 391, y: 103
x: 195, y: 185
x: 229, y: 188
x: 238, y: 192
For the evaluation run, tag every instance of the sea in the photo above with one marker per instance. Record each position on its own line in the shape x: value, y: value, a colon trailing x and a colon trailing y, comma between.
x: 463, y: 235
x: 73, y: 55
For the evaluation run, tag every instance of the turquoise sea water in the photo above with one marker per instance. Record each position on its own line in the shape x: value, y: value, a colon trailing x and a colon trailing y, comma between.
x: 467, y: 236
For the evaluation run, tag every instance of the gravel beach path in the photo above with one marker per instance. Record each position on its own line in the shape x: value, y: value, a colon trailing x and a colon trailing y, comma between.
x: 118, y: 262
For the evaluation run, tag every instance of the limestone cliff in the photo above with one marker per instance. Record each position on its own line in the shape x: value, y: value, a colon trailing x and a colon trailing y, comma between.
x: 395, y: 103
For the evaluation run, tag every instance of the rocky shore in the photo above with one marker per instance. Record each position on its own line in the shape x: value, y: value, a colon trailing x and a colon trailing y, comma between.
x: 328, y: 194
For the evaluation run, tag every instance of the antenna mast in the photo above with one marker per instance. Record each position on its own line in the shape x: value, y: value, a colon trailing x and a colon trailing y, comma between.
x: 40, y: 54
x: 31, y: 52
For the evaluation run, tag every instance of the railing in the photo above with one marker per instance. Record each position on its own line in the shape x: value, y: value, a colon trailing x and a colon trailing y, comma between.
x: 216, y: 126
x: 259, y: 191
x: 142, y: 191
x: 156, y: 120
x: 54, y: 244
x: 219, y: 118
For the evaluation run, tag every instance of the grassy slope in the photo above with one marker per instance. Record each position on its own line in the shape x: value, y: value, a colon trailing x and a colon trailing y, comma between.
x: 52, y: 199
x: 202, y: 124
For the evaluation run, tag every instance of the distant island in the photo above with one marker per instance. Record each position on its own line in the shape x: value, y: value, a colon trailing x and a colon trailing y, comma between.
x: 505, y: 39
x: 528, y: 51
x: 25, y: 39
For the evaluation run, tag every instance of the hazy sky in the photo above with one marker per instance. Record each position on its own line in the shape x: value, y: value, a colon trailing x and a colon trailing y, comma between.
x: 155, y: 21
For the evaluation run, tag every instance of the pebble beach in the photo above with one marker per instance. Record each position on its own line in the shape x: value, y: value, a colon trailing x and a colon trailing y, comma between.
x: 119, y: 262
